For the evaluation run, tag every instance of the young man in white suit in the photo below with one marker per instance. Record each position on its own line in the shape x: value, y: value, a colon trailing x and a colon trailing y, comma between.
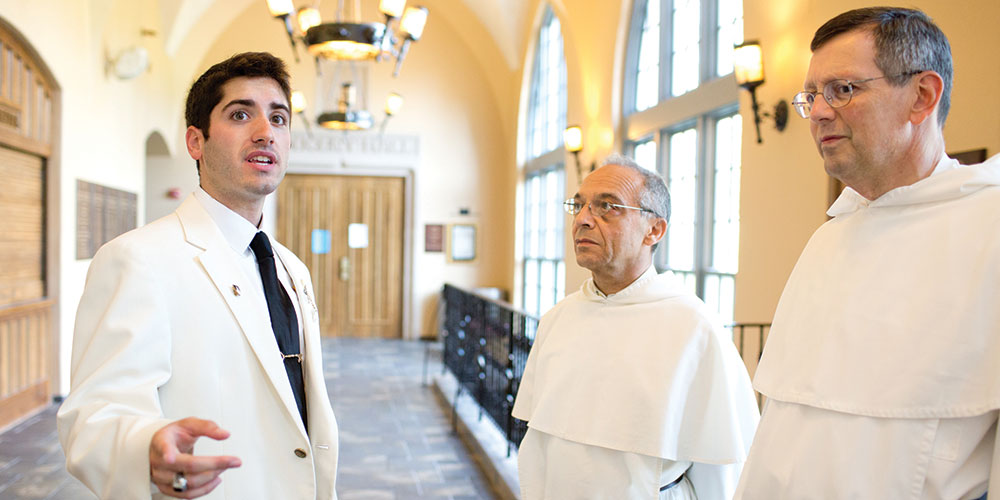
x: 174, y: 339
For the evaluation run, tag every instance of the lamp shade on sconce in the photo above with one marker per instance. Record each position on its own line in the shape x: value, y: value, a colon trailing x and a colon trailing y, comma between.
x: 280, y: 8
x: 413, y: 22
x: 298, y: 101
x: 308, y: 17
x: 393, y: 104
x: 748, y: 64
x: 392, y: 8
x: 573, y: 139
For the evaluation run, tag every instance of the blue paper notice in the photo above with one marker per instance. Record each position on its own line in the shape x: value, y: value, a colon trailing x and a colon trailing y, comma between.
x: 320, y: 241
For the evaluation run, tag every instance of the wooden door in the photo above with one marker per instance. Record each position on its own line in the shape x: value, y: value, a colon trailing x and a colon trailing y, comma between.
x: 358, y: 287
x: 29, y: 208
x: 24, y: 307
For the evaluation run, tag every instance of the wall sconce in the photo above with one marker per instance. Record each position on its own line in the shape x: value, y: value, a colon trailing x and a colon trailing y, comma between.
x: 748, y: 68
x: 393, y: 103
x: 299, y: 107
x: 573, y: 142
x: 131, y: 62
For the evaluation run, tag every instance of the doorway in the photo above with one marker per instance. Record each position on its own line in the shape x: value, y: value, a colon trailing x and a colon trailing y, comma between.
x: 29, y: 243
x: 349, y: 232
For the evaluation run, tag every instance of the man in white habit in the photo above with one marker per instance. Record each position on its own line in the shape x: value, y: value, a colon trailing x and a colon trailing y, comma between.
x: 197, y: 367
x: 882, y: 370
x: 632, y: 389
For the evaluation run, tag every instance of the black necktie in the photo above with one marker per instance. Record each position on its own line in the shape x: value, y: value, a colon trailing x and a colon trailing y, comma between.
x: 283, y: 320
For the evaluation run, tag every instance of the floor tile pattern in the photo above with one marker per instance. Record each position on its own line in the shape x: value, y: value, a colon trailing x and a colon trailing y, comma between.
x: 396, y: 441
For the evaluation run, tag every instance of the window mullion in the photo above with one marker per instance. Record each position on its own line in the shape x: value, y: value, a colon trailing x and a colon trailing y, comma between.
x: 663, y: 167
x: 707, y: 47
x: 672, y: 116
x: 709, y: 193
x: 704, y: 209
x: 632, y: 56
x: 666, y: 47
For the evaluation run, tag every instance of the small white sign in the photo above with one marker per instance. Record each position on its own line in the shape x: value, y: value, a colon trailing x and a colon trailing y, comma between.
x: 463, y: 242
x: 357, y: 235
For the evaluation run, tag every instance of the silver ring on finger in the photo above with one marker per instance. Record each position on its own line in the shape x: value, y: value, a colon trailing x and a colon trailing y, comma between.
x: 180, y: 483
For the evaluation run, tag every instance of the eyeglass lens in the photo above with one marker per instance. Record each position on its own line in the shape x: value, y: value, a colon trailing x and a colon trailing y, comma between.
x: 597, y: 208
x: 837, y: 93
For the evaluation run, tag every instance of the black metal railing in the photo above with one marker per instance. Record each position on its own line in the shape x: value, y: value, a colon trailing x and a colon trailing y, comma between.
x: 751, y: 354
x: 486, y: 344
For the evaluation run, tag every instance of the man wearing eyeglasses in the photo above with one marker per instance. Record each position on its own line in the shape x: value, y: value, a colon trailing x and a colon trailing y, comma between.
x: 882, y: 370
x: 632, y: 389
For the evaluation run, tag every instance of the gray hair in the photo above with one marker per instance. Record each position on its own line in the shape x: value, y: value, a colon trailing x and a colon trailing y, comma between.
x: 655, y: 196
x: 906, y: 40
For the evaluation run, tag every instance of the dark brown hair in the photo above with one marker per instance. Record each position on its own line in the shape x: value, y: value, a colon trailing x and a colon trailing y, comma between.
x: 206, y: 91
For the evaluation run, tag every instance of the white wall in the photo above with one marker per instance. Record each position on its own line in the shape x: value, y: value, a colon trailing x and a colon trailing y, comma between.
x: 104, y: 122
x: 451, y: 103
x: 164, y: 173
x: 784, y: 187
x: 463, y: 99
x: 450, y: 106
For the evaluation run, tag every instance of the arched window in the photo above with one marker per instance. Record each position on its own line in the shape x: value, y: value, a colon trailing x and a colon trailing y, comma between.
x: 544, y: 180
x: 683, y: 120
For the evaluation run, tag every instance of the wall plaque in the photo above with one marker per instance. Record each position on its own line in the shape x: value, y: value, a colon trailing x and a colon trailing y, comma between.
x: 102, y: 213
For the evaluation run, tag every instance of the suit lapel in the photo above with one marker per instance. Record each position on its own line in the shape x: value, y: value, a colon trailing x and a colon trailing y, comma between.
x: 251, y: 315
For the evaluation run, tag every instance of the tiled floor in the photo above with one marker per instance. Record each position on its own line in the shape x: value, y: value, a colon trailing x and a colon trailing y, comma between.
x: 395, y: 440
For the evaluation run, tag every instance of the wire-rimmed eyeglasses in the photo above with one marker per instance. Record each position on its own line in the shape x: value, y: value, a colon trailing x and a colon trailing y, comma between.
x: 599, y: 208
x: 838, y: 93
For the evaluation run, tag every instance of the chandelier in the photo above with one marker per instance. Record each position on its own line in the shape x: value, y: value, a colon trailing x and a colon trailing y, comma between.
x: 347, y: 43
x: 352, y: 39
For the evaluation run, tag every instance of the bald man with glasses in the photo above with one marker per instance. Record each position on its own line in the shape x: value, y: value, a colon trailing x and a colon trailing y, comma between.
x: 882, y: 369
x: 632, y: 389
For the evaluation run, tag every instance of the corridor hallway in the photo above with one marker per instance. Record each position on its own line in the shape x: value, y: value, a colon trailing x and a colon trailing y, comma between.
x: 396, y: 441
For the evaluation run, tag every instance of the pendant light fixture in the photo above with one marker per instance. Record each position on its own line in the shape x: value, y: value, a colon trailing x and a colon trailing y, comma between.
x: 348, y: 41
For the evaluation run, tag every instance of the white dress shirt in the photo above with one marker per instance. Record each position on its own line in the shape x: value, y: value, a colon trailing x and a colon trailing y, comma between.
x: 239, y: 232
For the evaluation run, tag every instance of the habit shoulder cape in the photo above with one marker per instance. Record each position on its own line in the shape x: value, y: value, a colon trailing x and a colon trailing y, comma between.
x: 643, y: 371
x: 893, y: 309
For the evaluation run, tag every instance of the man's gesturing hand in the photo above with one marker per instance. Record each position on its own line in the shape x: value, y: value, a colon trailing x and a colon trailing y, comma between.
x: 170, y: 453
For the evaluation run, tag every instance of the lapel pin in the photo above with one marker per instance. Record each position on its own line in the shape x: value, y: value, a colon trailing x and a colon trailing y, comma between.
x: 236, y: 290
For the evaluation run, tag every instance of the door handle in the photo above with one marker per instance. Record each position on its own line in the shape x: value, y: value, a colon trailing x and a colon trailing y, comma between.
x: 345, y: 268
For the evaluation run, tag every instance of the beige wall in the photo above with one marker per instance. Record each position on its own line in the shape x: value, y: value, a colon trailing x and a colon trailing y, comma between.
x: 783, y: 190
x: 464, y: 85
x: 464, y: 162
x: 451, y: 104
x: 104, y: 121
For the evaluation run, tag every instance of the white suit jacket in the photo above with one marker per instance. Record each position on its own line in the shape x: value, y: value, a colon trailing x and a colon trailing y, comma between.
x: 163, y: 333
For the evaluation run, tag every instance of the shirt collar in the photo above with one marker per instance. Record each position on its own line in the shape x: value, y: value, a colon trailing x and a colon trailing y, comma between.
x: 850, y: 200
x: 237, y: 230
x: 643, y: 278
